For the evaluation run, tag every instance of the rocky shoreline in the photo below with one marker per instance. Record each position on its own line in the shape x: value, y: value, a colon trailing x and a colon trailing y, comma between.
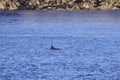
x: 59, y: 4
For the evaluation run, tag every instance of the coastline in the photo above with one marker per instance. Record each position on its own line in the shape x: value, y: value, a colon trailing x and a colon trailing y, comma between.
x: 59, y: 5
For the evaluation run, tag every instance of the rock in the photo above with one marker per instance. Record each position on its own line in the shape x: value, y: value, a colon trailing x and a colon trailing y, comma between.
x: 17, y: 4
x: 13, y: 6
x: 2, y: 7
x: 106, y: 6
x: 76, y: 7
x: 37, y: 2
x: 86, y: 5
x: 115, y: 8
x: 59, y: 4
x: 39, y: 7
x: 60, y: 9
x: 117, y: 5
x: 49, y: 8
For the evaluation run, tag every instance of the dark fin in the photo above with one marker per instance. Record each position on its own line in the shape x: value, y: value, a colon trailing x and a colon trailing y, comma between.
x: 53, y: 48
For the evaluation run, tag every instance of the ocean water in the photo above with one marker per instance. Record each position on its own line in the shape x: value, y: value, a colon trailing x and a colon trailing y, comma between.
x: 89, y: 43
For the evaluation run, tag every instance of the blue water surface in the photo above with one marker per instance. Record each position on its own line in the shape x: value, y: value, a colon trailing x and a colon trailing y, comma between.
x: 89, y: 43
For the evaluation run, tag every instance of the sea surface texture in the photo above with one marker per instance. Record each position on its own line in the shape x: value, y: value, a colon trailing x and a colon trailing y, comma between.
x: 89, y: 43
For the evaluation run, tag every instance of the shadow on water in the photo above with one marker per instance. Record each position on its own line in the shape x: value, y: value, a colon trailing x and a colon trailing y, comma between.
x: 9, y: 13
